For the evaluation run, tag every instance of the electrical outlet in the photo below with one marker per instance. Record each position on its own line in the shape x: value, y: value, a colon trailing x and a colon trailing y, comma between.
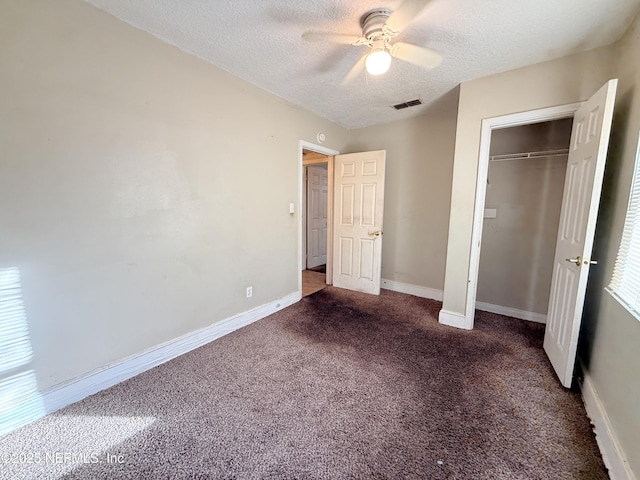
x: 249, y: 292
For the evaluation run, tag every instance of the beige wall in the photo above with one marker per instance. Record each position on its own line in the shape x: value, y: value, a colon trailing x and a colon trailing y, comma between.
x: 518, y: 246
x: 551, y: 135
x: 567, y: 80
x: 610, y: 336
x: 417, y: 189
x: 142, y: 189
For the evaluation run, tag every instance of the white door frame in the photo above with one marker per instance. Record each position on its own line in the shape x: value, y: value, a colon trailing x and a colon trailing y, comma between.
x: 488, y: 125
x: 303, y: 145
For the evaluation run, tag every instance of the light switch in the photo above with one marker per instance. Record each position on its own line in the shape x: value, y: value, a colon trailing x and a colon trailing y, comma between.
x: 490, y: 213
x: 291, y: 208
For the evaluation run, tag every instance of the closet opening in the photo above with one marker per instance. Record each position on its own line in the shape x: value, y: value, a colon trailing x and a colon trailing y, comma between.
x: 525, y: 182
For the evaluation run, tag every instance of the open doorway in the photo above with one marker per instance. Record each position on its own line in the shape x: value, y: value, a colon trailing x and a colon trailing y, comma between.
x: 488, y: 125
x: 356, y: 234
x: 315, y: 227
x: 525, y: 182
x: 316, y: 219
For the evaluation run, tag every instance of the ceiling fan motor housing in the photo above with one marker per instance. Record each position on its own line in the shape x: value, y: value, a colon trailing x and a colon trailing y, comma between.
x: 373, y: 22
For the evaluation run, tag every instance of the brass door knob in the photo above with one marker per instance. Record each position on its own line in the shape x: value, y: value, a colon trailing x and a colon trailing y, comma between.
x: 577, y: 260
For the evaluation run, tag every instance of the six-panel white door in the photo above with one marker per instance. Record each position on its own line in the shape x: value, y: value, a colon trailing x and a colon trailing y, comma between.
x: 581, y: 197
x: 317, y: 184
x: 358, y: 209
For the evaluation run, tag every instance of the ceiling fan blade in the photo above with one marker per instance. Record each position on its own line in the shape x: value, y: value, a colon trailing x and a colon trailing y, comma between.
x: 404, y: 14
x: 330, y: 37
x: 421, y: 56
x: 356, y: 70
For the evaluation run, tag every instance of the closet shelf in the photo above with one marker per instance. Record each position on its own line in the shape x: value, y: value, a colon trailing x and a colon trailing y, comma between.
x: 523, y: 155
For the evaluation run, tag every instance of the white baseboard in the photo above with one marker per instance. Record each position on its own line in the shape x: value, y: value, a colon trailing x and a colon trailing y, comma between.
x: 435, y: 294
x: 612, y: 454
x: 454, y: 319
x: 417, y: 290
x: 65, y: 394
x: 512, y: 312
x: 446, y: 317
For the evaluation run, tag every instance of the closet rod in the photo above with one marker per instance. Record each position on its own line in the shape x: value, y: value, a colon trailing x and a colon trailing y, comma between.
x: 519, y: 156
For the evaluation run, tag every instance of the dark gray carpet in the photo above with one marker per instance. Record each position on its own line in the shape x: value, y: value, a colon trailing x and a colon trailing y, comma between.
x: 341, y: 385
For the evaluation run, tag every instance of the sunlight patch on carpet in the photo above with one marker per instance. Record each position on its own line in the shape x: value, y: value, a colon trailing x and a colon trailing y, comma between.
x: 56, y: 445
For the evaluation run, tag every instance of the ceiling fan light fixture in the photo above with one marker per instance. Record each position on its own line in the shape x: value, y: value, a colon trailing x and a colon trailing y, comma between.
x: 380, y: 27
x: 378, y: 61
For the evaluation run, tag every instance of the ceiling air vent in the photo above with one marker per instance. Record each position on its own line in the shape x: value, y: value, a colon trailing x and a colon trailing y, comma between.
x: 410, y: 103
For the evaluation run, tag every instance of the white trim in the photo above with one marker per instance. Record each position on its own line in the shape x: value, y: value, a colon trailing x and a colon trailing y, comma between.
x: 436, y: 294
x: 489, y: 124
x: 454, y: 319
x: 623, y: 303
x: 612, y: 454
x: 417, y: 290
x: 304, y: 145
x: 81, y: 387
x: 512, y: 312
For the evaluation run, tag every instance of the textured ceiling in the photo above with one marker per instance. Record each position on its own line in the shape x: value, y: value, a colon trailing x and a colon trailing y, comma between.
x: 260, y: 41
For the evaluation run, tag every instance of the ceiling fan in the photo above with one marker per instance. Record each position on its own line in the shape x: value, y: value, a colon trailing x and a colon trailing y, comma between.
x: 379, y: 27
